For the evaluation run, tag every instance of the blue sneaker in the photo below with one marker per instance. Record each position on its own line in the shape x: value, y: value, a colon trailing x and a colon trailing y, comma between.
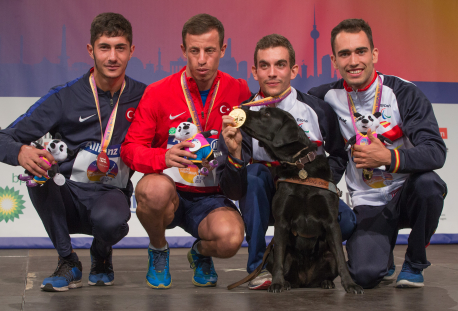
x: 101, y: 270
x: 67, y: 275
x: 204, y: 270
x: 391, y: 274
x: 158, y: 275
x: 410, y: 276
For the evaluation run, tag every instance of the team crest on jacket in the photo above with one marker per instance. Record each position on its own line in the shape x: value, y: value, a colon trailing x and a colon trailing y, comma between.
x: 130, y: 114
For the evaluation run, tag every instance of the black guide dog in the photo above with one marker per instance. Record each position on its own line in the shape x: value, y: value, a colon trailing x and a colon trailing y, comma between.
x: 307, y: 250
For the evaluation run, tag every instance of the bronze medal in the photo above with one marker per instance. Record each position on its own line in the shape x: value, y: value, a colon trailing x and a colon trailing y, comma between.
x: 103, y: 163
x: 239, y: 117
x: 303, y: 174
x: 367, y: 173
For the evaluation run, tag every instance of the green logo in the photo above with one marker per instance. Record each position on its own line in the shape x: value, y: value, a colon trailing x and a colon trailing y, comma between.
x: 11, y: 204
x: 172, y: 131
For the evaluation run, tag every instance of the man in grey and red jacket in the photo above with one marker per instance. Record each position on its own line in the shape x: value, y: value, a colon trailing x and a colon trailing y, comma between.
x: 407, y: 193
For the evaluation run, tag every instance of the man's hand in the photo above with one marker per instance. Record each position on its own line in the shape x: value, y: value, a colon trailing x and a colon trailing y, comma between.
x: 174, y: 157
x: 29, y: 158
x: 232, y: 137
x: 373, y: 155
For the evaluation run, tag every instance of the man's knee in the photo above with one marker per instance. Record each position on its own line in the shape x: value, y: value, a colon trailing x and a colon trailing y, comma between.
x: 230, y: 238
x: 154, y: 193
x: 111, y: 232
x: 428, y: 185
x: 367, y: 277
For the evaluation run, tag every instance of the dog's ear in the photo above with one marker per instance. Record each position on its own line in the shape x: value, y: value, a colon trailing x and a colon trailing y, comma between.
x: 288, y: 134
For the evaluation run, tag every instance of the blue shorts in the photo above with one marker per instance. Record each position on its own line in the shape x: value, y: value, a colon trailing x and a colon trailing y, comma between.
x: 194, y: 207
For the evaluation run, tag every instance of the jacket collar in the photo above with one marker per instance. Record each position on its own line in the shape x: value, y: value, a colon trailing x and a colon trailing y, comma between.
x: 349, y: 89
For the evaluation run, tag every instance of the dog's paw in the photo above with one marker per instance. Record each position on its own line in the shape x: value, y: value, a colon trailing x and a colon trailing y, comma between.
x: 326, y: 284
x: 353, y: 289
x: 278, y: 288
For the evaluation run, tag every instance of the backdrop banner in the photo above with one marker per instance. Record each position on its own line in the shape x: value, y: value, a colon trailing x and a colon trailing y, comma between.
x: 43, y: 44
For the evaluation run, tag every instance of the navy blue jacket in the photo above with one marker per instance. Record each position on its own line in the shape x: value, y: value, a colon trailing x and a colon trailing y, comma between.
x: 70, y: 110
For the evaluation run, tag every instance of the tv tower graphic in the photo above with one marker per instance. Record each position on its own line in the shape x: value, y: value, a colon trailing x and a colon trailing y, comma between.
x: 315, y: 35
x: 63, y: 51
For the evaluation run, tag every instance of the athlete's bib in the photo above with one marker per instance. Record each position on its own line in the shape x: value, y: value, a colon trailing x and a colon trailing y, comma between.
x: 85, y: 166
x: 189, y: 176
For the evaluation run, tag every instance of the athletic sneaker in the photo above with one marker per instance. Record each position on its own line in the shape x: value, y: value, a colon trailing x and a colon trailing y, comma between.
x: 410, y: 276
x: 67, y: 275
x: 262, y: 281
x: 158, y: 275
x: 391, y: 274
x: 101, y: 270
x: 204, y: 270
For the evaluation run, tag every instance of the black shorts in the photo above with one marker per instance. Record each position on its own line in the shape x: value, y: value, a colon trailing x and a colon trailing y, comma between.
x: 194, y: 207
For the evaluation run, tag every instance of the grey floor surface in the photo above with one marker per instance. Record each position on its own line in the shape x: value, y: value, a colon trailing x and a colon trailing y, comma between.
x: 23, y: 270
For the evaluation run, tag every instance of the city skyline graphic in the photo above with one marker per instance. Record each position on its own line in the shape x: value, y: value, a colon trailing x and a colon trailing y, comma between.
x: 35, y: 80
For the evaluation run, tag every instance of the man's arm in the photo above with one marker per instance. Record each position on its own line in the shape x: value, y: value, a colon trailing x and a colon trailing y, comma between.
x: 420, y: 126
x: 232, y: 163
x: 137, y: 151
x: 41, y: 118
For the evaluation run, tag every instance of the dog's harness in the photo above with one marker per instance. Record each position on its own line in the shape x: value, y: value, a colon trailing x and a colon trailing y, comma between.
x: 313, y: 182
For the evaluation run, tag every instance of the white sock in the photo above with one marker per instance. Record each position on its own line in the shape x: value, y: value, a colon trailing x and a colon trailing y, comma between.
x: 159, y: 249
x: 194, y: 247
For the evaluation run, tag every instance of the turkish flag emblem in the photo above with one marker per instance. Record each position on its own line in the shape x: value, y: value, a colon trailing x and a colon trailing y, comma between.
x: 130, y: 114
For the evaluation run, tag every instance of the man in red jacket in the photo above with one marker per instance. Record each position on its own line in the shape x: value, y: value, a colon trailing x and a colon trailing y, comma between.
x: 182, y: 196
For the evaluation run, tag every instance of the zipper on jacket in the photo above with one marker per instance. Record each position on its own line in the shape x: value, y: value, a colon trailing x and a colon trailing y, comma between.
x: 111, y: 102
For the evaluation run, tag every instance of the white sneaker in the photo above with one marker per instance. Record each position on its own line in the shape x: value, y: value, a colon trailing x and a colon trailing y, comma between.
x: 262, y: 281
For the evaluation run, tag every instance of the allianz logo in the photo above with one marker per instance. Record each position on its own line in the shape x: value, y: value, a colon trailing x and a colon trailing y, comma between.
x: 96, y: 147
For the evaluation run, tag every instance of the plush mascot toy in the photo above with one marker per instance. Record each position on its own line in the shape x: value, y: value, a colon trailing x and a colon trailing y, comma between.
x: 205, y: 161
x: 364, y: 124
x: 60, y: 152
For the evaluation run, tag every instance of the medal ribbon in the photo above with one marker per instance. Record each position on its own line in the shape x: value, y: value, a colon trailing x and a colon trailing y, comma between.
x: 111, y: 122
x: 190, y: 102
x: 376, y: 105
x: 268, y: 100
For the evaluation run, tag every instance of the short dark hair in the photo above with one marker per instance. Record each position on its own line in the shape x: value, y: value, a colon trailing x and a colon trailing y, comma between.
x: 352, y: 25
x: 200, y: 24
x: 273, y: 41
x: 111, y: 25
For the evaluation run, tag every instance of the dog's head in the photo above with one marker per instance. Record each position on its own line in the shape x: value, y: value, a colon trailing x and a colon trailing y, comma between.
x: 277, y: 131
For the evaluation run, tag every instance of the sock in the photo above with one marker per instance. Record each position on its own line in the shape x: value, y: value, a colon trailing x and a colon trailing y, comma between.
x: 194, y: 247
x: 72, y: 257
x: 164, y: 248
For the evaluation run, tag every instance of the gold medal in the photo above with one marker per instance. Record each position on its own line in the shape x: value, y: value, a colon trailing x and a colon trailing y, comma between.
x: 239, y: 116
x: 303, y: 174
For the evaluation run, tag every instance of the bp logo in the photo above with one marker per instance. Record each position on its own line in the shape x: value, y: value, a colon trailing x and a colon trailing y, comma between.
x: 11, y: 204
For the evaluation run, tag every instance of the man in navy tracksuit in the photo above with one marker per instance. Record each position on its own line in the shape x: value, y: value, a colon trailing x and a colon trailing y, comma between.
x: 253, y: 184
x: 92, y: 201
x: 404, y: 191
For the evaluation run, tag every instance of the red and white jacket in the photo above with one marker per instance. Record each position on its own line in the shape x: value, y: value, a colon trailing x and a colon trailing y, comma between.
x: 407, y: 119
x: 161, y: 109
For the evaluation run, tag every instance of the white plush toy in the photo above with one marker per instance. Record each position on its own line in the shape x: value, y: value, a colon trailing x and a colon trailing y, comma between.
x: 205, y: 161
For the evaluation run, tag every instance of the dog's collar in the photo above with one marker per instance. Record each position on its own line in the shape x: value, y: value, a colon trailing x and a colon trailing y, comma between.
x: 309, y: 157
x: 314, y: 182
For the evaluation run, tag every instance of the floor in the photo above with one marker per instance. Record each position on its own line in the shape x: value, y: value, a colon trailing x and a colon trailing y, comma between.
x: 22, y: 271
